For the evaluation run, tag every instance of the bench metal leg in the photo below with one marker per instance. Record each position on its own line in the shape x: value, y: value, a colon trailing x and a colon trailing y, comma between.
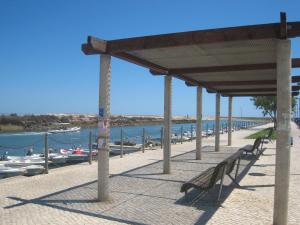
x: 221, y: 184
x: 233, y: 180
x: 237, y: 168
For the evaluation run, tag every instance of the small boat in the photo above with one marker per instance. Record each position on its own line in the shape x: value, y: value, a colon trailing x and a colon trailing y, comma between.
x: 6, y: 171
x: 116, y: 149
x: 33, y: 170
x: 58, y: 158
x: 65, y: 130
x: 77, y: 158
x: 75, y: 155
x: 22, y: 161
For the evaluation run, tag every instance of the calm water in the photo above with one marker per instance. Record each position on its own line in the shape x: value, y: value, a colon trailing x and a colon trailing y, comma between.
x: 19, y: 143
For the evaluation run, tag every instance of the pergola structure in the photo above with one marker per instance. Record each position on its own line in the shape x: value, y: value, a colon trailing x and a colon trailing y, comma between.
x: 237, y: 61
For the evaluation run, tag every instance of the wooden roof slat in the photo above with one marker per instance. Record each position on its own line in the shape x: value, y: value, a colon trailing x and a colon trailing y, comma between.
x: 227, y: 68
x: 262, y: 66
x: 141, y: 62
x: 295, y: 79
x: 252, y: 32
x: 294, y: 93
x: 294, y: 88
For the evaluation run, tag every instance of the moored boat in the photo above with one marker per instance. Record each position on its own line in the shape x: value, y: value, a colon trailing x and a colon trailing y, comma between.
x: 6, y: 171
x: 65, y: 130
x: 33, y: 170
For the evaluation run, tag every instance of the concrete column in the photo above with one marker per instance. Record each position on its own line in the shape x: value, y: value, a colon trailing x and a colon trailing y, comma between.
x: 167, y: 123
x: 199, y: 124
x: 103, y: 128
x: 282, y: 168
x: 217, y: 127
x: 229, y: 121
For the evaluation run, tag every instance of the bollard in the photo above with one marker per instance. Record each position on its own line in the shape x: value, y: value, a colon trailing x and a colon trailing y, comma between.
x: 121, y: 155
x: 191, y: 132
x: 161, y: 137
x: 207, y: 130
x: 143, y: 140
x: 46, y: 154
x: 181, y: 134
x: 90, y: 147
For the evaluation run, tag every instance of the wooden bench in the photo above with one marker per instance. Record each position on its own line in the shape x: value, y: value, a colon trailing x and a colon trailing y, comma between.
x: 208, y: 179
x: 253, y: 148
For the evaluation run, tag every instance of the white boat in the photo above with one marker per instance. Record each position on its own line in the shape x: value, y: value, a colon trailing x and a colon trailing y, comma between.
x: 33, y: 170
x: 6, y: 171
x: 58, y: 158
x: 71, y: 129
x: 77, y: 158
x: 116, y: 149
x: 22, y: 161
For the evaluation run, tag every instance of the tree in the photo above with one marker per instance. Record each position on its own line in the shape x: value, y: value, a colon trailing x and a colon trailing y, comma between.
x: 268, y: 105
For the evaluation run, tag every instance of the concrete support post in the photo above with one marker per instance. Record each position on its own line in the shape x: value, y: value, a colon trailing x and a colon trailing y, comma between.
x: 199, y: 124
x: 282, y: 168
x: 167, y: 124
x: 103, y: 128
x: 229, y: 129
x: 217, y: 127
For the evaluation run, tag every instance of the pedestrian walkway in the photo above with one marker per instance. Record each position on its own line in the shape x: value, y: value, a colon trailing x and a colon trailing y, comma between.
x: 141, y: 194
x: 253, y: 203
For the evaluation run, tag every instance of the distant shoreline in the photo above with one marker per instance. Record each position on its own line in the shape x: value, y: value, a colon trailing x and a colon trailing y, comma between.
x: 39, y: 123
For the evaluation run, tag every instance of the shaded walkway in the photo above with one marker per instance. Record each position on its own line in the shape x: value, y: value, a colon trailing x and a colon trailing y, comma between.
x: 144, y: 195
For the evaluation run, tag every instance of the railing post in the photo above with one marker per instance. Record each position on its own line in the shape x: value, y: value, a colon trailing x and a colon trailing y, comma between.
x: 121, y: 144
x: 46, y: 154
x: 207, y: 130
x: 181, y: 134
x: 143, y: 140
x: 191, y: 132
x: 161, y: 137
x: 90, y: 147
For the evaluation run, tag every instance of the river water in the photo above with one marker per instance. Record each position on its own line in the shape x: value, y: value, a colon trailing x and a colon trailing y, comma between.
x: 17, y: 144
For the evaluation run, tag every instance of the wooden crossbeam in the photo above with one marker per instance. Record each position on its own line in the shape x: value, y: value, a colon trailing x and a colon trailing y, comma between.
x: 210, y: 69
x: 252, y: 32
x: 262, y: 66
x: 294, y: 93
x: 294, y: 88
x: 295, y: 79
x: 240, y: 83
x: 141, y: 62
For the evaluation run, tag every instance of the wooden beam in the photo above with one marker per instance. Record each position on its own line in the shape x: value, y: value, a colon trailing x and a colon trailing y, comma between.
x: 283, y: 26
x: 94, y: 46
x: 252, y: 32
x: 294, y: 93
x: 295, y: 62
x: 240, y: 83
x: 141, y: 62
x: 210, y: 69
x: 189, y: 80
x: 243, y: 67
x: 295, y: 79
x: 294, y: 88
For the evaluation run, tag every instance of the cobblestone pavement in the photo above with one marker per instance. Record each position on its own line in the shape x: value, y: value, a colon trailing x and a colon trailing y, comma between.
x: 142, y: 195
x: 253, y: 203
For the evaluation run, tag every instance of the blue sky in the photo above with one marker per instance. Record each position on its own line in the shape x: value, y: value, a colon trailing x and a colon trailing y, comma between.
x: 42, y: 68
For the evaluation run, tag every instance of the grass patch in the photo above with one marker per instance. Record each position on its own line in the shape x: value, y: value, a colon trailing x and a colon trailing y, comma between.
x: 10, y: 128
x: 262, y: 134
